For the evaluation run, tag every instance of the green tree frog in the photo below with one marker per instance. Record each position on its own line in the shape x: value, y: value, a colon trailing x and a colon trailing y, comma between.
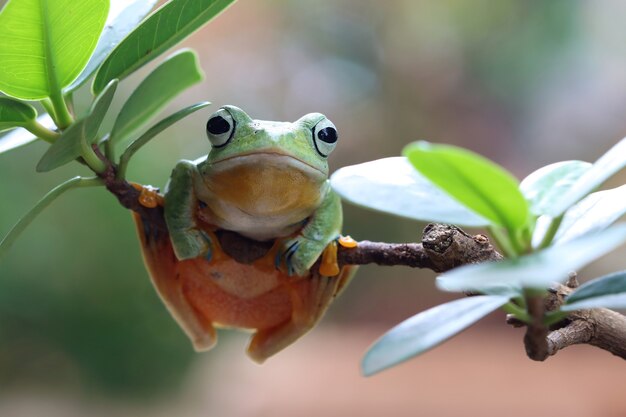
x: 267, y: 181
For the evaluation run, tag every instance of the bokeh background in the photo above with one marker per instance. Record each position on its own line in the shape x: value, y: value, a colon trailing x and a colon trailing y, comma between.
x: 525, y: 83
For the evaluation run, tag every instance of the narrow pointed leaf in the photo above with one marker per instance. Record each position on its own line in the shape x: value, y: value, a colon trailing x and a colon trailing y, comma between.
x: 15, y: 113
x: 84, y: 132
x: 537, y: 270
x: 21, y: 137
x: 65, y: 149
x: 19, y: 227
x: 166, y: 27
x: 174, y: 75
x: 546, y: 185
x: 124, y: 15
x: 392, y: 185
x: 604, y: 168
x: 479, y: 184
x: 608, y: 291
x: 46, y: 43
x: 426, y: 330
x: 98, y: 110
x: 155, y: 130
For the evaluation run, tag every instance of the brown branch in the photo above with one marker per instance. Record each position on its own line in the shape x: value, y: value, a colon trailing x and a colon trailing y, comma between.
x: 442, y: 248
x: 598, y: 327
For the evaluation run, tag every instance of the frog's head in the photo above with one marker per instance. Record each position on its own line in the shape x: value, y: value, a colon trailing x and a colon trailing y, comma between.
x: 303, y: 145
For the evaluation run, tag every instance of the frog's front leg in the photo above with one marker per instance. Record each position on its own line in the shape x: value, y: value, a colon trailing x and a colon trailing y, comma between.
x: 301, y: 252
x: 180, y: 213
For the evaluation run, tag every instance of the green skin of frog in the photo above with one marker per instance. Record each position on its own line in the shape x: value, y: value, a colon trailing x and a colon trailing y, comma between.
x: 264, y: 180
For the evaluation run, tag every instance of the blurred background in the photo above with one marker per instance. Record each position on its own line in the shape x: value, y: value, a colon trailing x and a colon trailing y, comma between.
x: 526, y: 83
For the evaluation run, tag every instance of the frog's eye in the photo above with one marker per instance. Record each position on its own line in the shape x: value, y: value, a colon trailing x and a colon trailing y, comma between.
x: 325, y: 137
x: 220, y: 128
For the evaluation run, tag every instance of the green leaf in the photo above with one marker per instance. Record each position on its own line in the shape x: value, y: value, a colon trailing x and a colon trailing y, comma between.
x: 593, y: 213
x: 537, y: 270
x: 98, y: 110
x: 153, y: 131
x: 177, y: 73
x: 170, y: 24
x: 14, y: 113
x: 46, y: 43
x: 392, y: 185
x: 124, y: 16
x: 426, y: 330
x: 70, y: 144
x: 22, y: 137
x: 65, y: 149
x: 19, y: 227
x: 605, y: 167
x: 608, y: 291
x: 476, y: 182
x: 546, y: 185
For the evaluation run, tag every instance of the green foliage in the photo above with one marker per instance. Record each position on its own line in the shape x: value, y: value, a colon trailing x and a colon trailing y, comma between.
x: 46, y: 43
x: 426, y: 330
x: 605, y: 167
x: 544, y: 187
x: 570, y: 229
x: 593, y: 213
x: 79, y: 135
x: 177, y: 73
x: 14, y: 113
x: 153, y: 131
x: 607, y: 291
x: 169, y: 25
x: 537, y: 270
x: 392, y: 185
x: 131, y: 12
x: 476, y: 182
x: 21, y: 137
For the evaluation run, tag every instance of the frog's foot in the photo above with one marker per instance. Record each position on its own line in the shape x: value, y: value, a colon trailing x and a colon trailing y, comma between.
x: 297, y: 255
x: 192, y: 243
x: 148, y: 195
x: 310, y: 300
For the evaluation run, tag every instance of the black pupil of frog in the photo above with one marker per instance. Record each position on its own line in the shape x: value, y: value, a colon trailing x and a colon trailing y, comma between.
x: 328, y: 135
x: 217, y: 125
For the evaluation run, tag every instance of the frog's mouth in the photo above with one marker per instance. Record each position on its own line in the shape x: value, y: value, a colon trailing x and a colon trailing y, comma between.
x: 268, y: 158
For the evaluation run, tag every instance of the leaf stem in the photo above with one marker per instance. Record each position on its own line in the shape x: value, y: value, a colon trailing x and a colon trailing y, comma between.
x: 551, y: 232
x: 63, y: 115
x: 90, y: 157
x: 503, y: 241
x: 519, y: 313
x: 47, y: 104
x: 42, y: 132
x: 19, y: 227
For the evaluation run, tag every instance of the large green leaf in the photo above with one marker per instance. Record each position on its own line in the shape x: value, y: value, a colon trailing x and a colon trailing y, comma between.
x: 392, y: 185
x: 124, y: 15
x: 14, y: 113
x: 70, y: 144
x: 21, y: 137
x: 153, y: 131
x: 169, y: 25
x: 426, y: 330
x: 537, y: 270
x: 605, y: 167
x: 177, y: 73
x: 476, y: 182
x: 608, y: 291
x: 546, y: 185
x: 593, y: 213
x: 46, y: 43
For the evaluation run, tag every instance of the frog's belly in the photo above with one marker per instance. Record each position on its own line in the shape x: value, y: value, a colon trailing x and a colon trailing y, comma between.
x: 262, y: 200
x: 231, y: 294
